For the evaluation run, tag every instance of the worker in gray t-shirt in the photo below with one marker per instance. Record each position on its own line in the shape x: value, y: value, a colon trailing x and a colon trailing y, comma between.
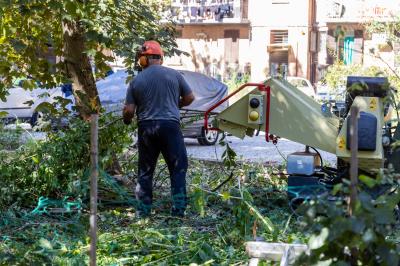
x: 156, y: 95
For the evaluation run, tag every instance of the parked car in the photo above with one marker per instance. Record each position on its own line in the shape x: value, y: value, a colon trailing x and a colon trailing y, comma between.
x: 302, y: 84
x: 22, y: 104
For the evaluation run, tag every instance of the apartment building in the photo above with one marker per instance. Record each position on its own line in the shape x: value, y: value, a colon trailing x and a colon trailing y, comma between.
x: 280, y: 37
x: 302, y: 37
x: 215, y: 34
x: 342, y: 34
x: 243, y: 36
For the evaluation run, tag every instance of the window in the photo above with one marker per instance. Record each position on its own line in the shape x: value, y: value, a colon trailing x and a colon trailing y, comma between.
x: 279, y: 37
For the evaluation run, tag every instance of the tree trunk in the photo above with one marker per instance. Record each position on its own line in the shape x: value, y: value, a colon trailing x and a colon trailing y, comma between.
x: 79, y: 70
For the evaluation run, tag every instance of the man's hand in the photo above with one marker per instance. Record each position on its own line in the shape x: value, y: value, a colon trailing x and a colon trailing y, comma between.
x: 186, y: 100
x: 128, y: 113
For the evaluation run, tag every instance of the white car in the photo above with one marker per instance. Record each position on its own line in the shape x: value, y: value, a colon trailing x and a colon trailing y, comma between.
x: 22, y: 104
x: 302, y: 84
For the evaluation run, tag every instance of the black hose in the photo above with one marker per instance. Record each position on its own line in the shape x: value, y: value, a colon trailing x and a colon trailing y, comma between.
x: 319, y: 155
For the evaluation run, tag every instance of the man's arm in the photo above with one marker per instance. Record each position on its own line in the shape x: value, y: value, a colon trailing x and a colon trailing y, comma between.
x: 130, y: 105
x: 128, y: 113
x: 186, y: 100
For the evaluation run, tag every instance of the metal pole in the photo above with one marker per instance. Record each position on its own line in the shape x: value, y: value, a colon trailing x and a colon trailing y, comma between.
x: 354, y: 159
x: 93, y: 187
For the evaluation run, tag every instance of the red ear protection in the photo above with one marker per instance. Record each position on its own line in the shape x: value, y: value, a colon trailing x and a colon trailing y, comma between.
x: 143, y: 61
x: 150, y: 49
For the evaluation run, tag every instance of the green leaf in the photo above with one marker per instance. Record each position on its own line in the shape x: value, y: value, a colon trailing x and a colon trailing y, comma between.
x: 28, y: 84
x: 35, y: 159
x: 46, y: 107
x: 370, y: 182
x: 225, y: 195
x: 383, y: 215
x: 368, y: 236
x: 44, y: 243
x: 44, y: 95
x: 318, y: 241
x: 265, y: 220
x: 3, y: 113
x: 71, y: 7
x: 337, y: 188
x: 29, y: 103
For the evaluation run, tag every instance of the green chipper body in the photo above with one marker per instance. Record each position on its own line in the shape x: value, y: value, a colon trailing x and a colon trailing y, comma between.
x: 293, y: 115
x: 289, y: 113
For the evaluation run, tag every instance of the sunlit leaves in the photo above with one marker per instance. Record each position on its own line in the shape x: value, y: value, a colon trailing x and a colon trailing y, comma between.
x: 29, y: 28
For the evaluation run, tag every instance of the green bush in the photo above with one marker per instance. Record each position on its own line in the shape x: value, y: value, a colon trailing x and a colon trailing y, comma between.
x: 367, y: 237
x: 10, y: 139
x: 54, y: 166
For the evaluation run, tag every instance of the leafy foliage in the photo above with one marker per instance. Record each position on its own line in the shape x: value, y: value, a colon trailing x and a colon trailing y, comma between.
x: 364, y: 238
x: 213, y: 236
x: 337, y: 74
x: 391, y: 30
x: 52, y: 166
x: 76, y: 32
x: 218, y: 223
x: 10, y: 139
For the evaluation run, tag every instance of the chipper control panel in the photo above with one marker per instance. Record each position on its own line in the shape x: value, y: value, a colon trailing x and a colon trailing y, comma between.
x: 256, y: 109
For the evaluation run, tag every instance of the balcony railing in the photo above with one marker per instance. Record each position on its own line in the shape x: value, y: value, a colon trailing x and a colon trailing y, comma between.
x: 205, y: 11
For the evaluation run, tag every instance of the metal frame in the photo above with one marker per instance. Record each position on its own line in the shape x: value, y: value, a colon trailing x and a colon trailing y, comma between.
x: 261, y: 87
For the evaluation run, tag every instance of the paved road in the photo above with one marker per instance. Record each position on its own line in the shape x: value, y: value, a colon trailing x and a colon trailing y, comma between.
x: 254, y: 149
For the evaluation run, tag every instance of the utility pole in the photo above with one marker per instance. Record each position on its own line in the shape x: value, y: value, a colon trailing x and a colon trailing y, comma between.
x: 312, y: 41
x: 94, y: 161
x: 354, y: 111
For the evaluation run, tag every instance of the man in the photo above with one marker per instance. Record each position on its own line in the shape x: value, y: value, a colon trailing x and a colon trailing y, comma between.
x: 156, y: 94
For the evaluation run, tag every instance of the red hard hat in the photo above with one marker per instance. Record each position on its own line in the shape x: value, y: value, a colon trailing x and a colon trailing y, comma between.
x: 152, y: 48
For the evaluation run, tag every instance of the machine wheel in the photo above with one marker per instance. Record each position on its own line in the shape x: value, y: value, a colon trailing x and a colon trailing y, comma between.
x: 209, y: 138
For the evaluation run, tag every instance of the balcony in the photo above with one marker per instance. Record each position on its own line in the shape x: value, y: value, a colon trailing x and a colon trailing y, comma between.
x: 207, y: 11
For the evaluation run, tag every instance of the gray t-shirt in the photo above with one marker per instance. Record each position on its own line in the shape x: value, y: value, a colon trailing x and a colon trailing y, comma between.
x: 156, y: 92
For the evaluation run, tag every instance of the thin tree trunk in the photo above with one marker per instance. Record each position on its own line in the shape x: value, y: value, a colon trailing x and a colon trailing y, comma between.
x: 79, y: 70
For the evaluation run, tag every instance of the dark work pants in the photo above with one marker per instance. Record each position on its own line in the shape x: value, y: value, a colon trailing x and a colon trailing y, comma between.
x: 166, y: 137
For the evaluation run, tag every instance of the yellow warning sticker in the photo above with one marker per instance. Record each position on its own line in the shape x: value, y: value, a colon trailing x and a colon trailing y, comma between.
x: 372, y: 104
x: 341, y: 143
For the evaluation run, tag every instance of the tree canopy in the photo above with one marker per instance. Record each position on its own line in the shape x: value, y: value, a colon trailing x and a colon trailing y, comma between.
x: 77, y: 33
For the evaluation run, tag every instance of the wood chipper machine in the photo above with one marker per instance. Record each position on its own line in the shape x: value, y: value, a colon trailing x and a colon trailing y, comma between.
x: 281, y: 110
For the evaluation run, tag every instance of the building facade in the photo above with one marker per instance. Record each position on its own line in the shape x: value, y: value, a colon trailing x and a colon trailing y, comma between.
x: 301, y: 37
x: 280, y: 37
x: 224, y: 37
x: 214, y: 34
x: 342, y: 33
